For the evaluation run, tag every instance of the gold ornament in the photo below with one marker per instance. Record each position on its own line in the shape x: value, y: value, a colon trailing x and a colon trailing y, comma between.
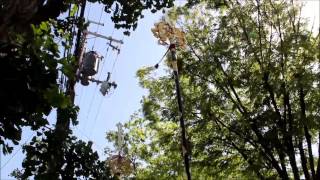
x: 168, y: 34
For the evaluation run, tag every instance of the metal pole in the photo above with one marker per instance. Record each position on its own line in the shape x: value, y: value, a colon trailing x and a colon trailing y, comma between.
x: 185, y: 147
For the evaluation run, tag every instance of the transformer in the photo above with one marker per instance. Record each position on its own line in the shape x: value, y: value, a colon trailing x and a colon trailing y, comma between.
x: 90, y: 63
x: 85, y: 80
x: 106, y: 86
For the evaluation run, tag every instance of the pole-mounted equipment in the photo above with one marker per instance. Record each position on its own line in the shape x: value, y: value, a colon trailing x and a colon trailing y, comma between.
x: 167, y: 34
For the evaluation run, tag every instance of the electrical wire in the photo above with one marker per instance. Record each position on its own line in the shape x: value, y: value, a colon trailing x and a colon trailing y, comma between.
x: 97, y: 30
x: 114, y: 63
x: 101, y: 100
x: 80, y: 97
x: 99, y: 76
x: 105, y: 58
x: 157, y: 65
x: 116, y: 59
x: 93, y: 97
x: 88, y: 138
x: 98, y: 26
x: 18, y: 150
x: 103, y: 64
x: 92, y: 49
x: 88, y: 13
x: 96, y: 117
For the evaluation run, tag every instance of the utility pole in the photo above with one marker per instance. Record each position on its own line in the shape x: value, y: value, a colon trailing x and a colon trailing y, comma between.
x: 185, y: 146
x: 62, y: 129
x: 166, y: 32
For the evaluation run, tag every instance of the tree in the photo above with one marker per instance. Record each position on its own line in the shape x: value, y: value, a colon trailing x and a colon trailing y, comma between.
x: 250, y: 84
x: 153, y: 142
x: 79, y: 161
x: 29, y: 73
x: 16, y: 15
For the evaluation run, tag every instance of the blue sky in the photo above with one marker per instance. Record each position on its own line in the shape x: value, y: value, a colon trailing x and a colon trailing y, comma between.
x: 98, y: 113
x: 139, y: 49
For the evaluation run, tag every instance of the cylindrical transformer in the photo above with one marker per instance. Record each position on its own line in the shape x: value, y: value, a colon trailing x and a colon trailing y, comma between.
x: 85, y: 80
x: 90, y: 63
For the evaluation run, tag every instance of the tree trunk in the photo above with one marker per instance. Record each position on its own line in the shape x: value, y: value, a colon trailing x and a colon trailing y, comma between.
x: 318, y: 166
x: 18, y: 15
x: 289, y: 138
x: 306, y: 132
x: 282, y: 162
x: 250, y: 162
x: 311, y: 161
x: 303, y: 161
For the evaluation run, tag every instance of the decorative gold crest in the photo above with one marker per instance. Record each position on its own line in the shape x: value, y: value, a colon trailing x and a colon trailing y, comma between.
x: 168, y: 34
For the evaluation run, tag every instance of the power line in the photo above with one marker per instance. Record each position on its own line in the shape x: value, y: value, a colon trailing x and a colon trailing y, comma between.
x: 80, y: 96
x: 156, y: 65
x: 108, y: 55
x: 99, y: 76
x: 18, y: 150
x: 96, y: 116
x: 93, y: 97
x: 88, y: 13
x: 106, y: 58
x: 99, y: 107
x: 114, y: 63
x: 86, y: 136
x: 116, y: 59
x: 98, y: 26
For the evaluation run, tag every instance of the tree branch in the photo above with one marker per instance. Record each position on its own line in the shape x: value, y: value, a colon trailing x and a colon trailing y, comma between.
x: 50, y: 10
x: 303, y: 160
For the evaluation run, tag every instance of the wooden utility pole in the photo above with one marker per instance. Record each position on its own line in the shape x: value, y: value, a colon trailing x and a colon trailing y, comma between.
x: 62, y: 129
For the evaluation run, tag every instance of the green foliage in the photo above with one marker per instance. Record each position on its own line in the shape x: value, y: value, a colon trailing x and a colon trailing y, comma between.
x: 26, y: 80
x: 56, y: 98
x: 30, y: 70
x: 79, y: 161
x: 125, y: 14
